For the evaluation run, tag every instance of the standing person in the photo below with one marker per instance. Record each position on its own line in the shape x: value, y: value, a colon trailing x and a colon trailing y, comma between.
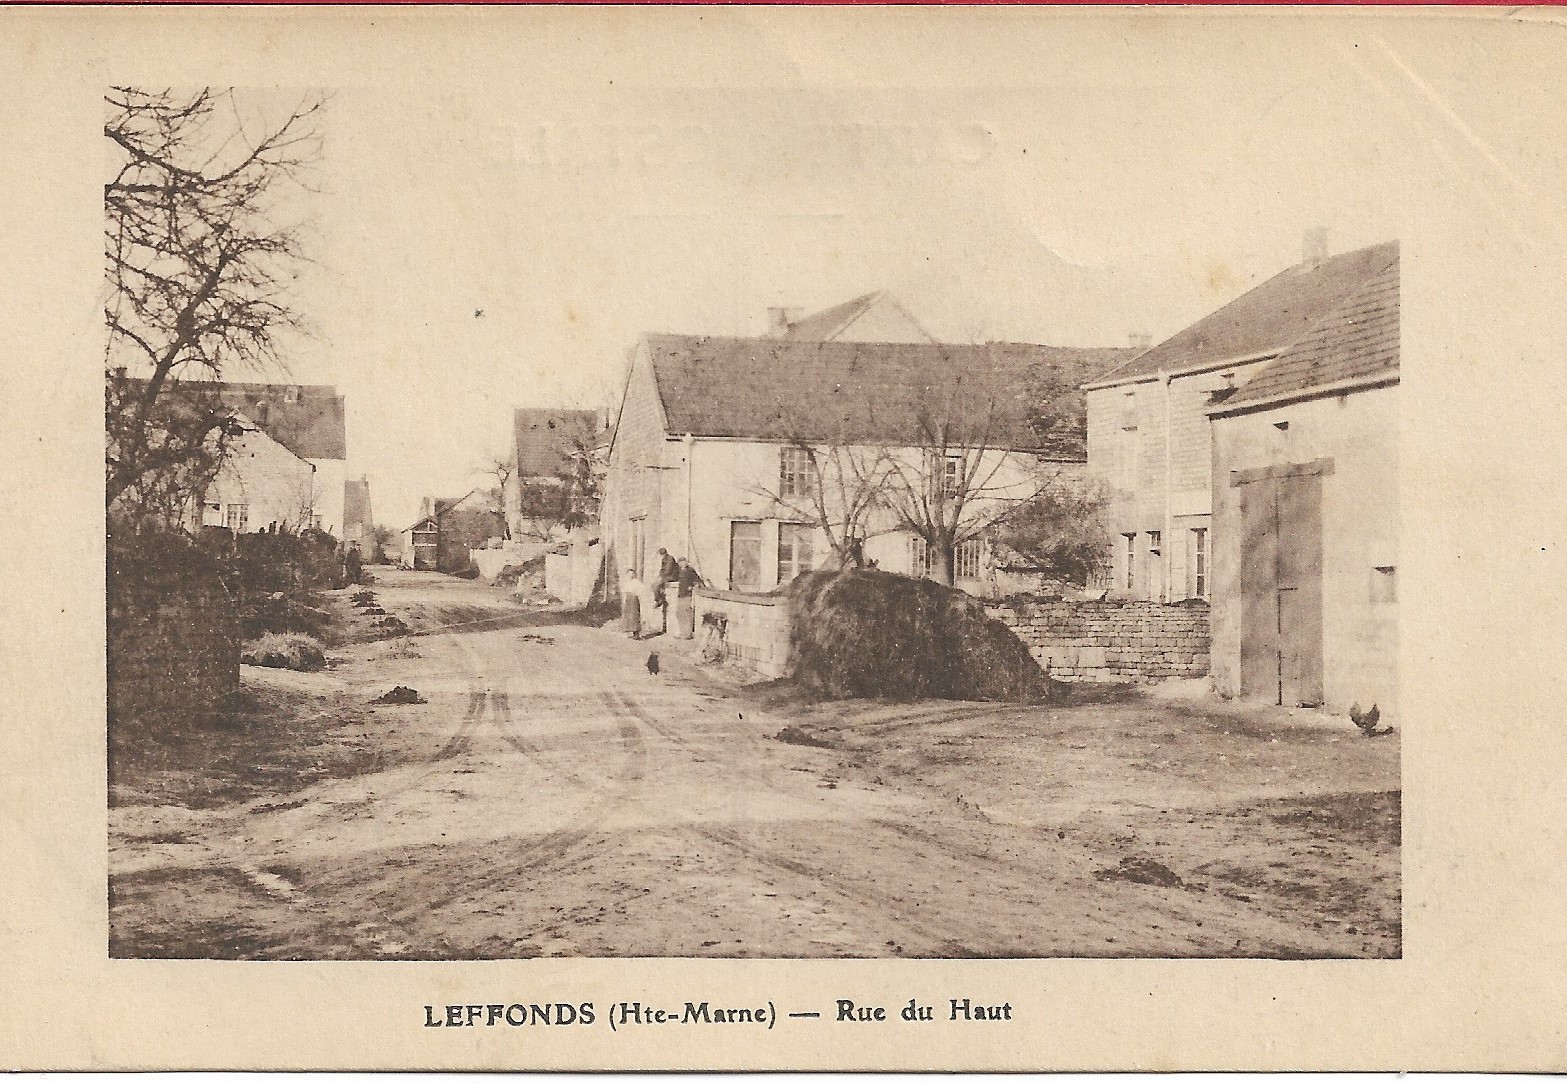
x: 631, y: 590
x: 687, y: 581
x: 668, y: 572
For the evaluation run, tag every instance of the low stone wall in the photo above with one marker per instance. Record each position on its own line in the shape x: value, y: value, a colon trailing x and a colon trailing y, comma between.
x: 173, y: 634
x: 1110, y: 641
x: 748, y: 629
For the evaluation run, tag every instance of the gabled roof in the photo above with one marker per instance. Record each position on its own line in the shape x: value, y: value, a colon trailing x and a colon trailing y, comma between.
x: 1264, y: 320
x: 544, y: 438
x: 853, y: 392
x: 828, y: 324
x: 1358, y: 341
x: 307, y: 419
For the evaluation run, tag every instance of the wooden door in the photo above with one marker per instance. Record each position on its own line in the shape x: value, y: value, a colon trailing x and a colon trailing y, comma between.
x: 1300, y: 589
x: 1257, y: 587
x: 1280, y: 588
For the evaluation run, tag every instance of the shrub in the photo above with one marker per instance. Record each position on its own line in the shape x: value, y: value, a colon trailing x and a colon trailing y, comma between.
x: 288, y: 651
x: 864, y: 632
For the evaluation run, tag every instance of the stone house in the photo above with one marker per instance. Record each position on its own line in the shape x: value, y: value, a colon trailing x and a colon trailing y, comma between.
x: 308, y: 420
x: 1305, y: 512
x: 358, y: 523
x: 261, y: 485
x: 550, y: 447
x: 707, y: 461
x: 449, y: 529
x: 1149, y: 437
x: 875, y: 317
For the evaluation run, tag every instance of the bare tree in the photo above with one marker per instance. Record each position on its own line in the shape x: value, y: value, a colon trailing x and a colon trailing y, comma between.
x: 502, y: 468
x: 201, y: 257
x: 835, y: 482
x: 958, y: 482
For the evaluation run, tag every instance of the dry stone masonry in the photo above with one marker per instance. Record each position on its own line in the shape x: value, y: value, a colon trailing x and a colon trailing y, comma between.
x: 1110, y: 641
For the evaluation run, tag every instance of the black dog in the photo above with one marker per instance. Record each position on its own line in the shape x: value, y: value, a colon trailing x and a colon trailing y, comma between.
x: 652, y: 663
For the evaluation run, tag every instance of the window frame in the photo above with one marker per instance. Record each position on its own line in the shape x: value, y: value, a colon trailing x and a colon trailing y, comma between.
x: 792, y: 535
x: 1202, y: 573
x: 734, y: 584
x: 797, y: 474
x: 1129, y: 551
x: 243, y: 517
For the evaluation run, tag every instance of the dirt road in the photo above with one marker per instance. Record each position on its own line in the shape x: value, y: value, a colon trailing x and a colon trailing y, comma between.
x: 554, y: 798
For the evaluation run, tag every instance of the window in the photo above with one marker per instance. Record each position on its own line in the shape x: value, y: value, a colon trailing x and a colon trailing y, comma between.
x: 966, y: 560
x: 237, y: 518
x: 795, y: 549
x: 1199, y: 562
x: 952, y: 475
x: 1155, y: 542
x: 796, y: 473
x: 1129, y: 561
x: 745, y: 555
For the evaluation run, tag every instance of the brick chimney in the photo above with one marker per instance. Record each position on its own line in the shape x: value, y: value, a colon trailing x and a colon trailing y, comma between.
x: 780, y: 319
x: 1314, y: 247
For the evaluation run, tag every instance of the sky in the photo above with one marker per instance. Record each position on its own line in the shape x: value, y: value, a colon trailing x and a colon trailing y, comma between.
x: 503, y: 239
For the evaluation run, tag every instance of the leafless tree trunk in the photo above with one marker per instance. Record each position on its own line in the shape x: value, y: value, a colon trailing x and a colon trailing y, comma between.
x: 201, y: 256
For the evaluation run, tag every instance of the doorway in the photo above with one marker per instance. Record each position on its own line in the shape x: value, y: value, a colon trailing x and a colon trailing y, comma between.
x: 1281, y: 586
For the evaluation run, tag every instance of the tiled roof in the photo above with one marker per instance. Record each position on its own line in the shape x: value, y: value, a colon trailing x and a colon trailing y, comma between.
x: 828, y: 324
x: 782, y: 389
x: 1356, y: 341
x: 1265, y: 319
x: 307, y: 419
x: 544, y: 438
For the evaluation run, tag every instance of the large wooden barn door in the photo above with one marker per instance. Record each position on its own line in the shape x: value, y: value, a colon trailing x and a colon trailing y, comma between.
x: 1259, y: 588
x: 1300, y: 590
x: 1280, y: 588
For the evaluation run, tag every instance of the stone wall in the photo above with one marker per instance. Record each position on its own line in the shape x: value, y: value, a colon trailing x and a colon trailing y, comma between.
x: 1110, y: 641
x: 173, y: 633
x: 749, y: 629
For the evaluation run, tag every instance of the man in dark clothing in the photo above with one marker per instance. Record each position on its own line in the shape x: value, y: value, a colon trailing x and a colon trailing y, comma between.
x: 668, y: 572
x: 687, y: 580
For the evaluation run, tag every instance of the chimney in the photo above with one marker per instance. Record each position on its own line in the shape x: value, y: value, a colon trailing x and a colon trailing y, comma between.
x: 1139, y: 340
x: 780, y: 319
x: 427, y: 508
x: 1314, y: 249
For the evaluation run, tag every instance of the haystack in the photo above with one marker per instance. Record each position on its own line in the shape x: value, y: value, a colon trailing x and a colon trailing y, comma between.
x: 877, y: 634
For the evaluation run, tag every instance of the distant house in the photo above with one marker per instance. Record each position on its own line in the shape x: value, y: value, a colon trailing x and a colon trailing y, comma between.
x: 1305, y: 510
x: 706, y: 448
x: 358, y: 524
x: 873, y: 318
x: 451, y: 528
x: 550, y: 448
x: 261, y: 485
x: 1149, y: 437
x: 307, y: 419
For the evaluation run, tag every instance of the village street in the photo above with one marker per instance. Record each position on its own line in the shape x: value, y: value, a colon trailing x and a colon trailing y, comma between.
x: 554, y: 798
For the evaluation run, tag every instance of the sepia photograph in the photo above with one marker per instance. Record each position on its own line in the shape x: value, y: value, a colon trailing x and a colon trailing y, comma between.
x: 870, y: 580
x: 783, y: 539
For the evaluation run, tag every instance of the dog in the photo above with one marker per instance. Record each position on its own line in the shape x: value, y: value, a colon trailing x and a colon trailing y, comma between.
x: 652, y: 663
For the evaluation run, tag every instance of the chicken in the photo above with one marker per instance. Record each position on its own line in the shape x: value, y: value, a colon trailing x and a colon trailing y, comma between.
x: 1366, y: 720
x: 652, y: 663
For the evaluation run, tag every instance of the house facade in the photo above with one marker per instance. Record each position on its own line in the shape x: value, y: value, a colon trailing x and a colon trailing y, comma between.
x: 1149, y: 437
x: 709, y: 454
x: 449, y: 529
x: 358, y: 523
x: 550, y: 447
x: 308, y: 420
x: 1305, y: 514
x: 261, y: 485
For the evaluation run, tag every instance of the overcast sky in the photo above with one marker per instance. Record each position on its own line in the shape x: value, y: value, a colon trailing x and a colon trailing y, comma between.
x: 1043, y: 180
